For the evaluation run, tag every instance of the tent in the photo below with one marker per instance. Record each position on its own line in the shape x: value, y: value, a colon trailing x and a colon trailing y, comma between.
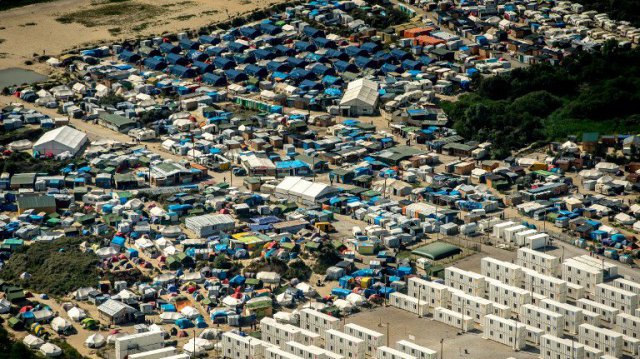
x: 96, y: 340
x: 190, y: 312
x: 50, y: 350
x: 32, y: 342
x: 89, y: 323
x: 60, y: 325
x: 184, y: 323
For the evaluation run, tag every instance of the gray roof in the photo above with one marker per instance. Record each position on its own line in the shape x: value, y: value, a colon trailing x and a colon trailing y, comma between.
x: 113, y: 307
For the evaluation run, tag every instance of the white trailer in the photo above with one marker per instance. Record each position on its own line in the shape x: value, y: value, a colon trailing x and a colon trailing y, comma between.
x: 372, y: 339
x: 415, y: 350
x: 469, y: 282
x: 434, y: 294
x: 410, y: 304
x: 601, y: 338
x: 547, y: 320
x: 456, y: 320
x: 511, y: 296
x: 553, y: 347
x: 344, y: 344
x: 505, y: 331
x: 506, y: 272
x: 548, y: 286
x: 538, y: 261
x: 607, y: 314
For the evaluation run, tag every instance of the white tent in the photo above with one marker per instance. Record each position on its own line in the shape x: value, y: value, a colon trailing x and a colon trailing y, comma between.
x: 343, y: 305
x: 356, y: 299
x: 193, y: 350
x: 96, y: 340
x: 32, y: 342
x: 306, y: 289
x: 62, y: 139
x: 190, y: 312
x: 60, y: 324
x: 200, y: 342
x: 50, y: 350
x: 209, y: 334
x: 170, y: 317
x: 361, y: 96
x: 299, y: 189
x: 268, y: 277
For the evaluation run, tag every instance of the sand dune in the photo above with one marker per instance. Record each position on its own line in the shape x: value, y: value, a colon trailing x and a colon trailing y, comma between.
x: 34, y: 29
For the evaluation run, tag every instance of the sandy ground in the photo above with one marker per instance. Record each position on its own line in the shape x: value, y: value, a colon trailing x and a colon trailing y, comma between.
x: 33, y: 29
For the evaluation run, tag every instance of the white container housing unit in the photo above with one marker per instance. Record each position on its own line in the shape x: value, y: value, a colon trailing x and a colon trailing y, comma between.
x: 509, y: 234
x: 631, y: 346
x: 470, y: 305
x: 587, y: 271
x: 237, y: 346
x: 344, y: 344
x: 318, y: 322
x: 575, y: 291
x: 505, y: 272
x: 415, y: 350
x: 550, y: 322
x: 538, y: 261
x: 511, y: 296
x: 628, y: 325
x: 410, y: 304
x: 385, y: 352
x: 548, y: 286
x: 535, y: 241
x: 372, y: 339
x: 278, y: 333
x: 498, y: 229
x: 520, y: 237
x: 593, y: 353
x: 434, y: 294
x: 505, y: 331
x: 138, y: 342
x: 553, y: 347
x: 469, y: 282
x: 618, y: 298
x: 454, y: 319
x: 607, y: 314
x: 607, y: 340
x: 573, y: 316
x: 627, y: 285
x: 277, y: 353
x: 309, y: 351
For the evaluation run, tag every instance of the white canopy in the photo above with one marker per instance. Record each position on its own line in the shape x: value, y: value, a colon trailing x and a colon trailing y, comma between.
x: 190, y: 312
x: 32, y: 342
x: 50, y: 350
x: 59, y: 324
x: 95, y: 341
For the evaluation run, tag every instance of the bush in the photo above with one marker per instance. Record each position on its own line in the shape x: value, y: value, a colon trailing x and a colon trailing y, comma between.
x: 597, y: 92
x: 297, y: 269
x: 327, y: 257
x: 56, y: 268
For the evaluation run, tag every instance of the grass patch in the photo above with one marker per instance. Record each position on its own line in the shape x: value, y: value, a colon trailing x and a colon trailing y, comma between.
x: 184, y: 17
x: 29, y: 24
x: 122, y: 13
x: 180, y: 3
x: 210, y: 12
x: 2, y: 40
x: 140, y: 27
x: 115, y: 31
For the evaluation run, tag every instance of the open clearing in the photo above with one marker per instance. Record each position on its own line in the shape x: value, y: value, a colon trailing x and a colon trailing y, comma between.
x: 53, y: 27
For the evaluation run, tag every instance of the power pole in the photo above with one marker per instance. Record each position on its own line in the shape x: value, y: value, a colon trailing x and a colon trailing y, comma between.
x: 441, y: 348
